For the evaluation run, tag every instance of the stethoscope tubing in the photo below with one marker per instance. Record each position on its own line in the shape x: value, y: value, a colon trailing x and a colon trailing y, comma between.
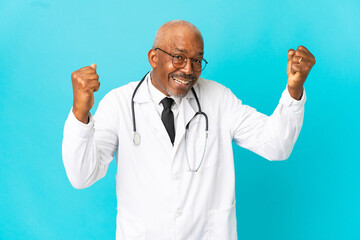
x: 132, y: 102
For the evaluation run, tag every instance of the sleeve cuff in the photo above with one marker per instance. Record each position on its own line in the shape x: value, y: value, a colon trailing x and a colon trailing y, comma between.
x: 78, y: 128
x: 293, y: 104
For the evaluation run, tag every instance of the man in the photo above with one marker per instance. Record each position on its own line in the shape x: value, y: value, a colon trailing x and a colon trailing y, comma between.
x: 175, y: 176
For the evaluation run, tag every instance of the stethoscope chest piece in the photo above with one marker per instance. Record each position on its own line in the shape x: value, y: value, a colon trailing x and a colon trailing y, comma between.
x: 137, y: 138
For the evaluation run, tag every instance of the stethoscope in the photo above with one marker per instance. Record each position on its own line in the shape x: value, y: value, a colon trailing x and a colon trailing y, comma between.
x: 137, y: 137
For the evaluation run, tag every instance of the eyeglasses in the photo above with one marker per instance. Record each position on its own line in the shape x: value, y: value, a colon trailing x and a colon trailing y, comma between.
x: 179, y: 61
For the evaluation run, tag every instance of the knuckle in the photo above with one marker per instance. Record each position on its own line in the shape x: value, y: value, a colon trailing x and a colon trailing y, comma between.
x: 82, y: 82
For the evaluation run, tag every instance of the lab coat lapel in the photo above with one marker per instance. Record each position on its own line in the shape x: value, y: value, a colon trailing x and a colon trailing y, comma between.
x: 186, y: 112
x: 147, y: 111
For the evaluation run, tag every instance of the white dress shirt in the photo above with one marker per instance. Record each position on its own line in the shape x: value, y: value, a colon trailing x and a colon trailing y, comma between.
x: 157, y: 96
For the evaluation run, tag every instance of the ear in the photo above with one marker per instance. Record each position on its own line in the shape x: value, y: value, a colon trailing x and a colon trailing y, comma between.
x: 153, y: 58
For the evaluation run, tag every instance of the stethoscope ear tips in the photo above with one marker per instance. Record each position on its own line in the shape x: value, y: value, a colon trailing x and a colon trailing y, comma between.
x: 137, y: 138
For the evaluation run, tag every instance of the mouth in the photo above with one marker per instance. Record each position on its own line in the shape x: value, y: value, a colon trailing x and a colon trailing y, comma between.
x: 181, y: 81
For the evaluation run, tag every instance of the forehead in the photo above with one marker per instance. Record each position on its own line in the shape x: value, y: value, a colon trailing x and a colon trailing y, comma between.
x: 185, y: 41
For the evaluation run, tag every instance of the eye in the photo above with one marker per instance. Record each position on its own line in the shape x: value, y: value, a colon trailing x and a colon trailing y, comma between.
x: 179, y: 57
x: 198, y: 61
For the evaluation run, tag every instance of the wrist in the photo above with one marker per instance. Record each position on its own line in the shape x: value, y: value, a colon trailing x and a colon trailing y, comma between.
x: 82, y: 116
x: 295, y: 92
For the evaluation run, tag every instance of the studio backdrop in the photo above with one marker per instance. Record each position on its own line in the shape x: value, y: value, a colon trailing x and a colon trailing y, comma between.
x: 315, y: 194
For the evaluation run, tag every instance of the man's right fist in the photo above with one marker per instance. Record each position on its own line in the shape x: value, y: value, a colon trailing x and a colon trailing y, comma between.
x: 85, y: 82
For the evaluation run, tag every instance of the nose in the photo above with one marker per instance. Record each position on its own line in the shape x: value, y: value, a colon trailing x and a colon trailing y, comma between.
x: 188, y: 68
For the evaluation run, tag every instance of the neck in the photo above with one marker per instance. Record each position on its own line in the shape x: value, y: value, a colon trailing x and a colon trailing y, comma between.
x: 154, y: 81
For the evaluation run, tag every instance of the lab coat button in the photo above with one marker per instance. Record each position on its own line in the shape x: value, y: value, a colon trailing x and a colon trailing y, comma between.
x: 178, y: 213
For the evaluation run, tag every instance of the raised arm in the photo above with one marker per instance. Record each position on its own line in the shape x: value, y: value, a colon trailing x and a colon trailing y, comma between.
x: 88, y: 144
x: 273, y: 137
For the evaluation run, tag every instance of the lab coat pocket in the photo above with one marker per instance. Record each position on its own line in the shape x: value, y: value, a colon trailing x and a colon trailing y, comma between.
x: 203, y: 148
x: 222, y: 223
x: 129, y: 227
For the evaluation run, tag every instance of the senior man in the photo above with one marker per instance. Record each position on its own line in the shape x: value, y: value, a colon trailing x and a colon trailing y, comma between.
x: 171, y: 135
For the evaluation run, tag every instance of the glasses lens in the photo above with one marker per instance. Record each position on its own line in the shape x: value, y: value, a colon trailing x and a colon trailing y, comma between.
x: 179, y: 61
x: 199, y: 64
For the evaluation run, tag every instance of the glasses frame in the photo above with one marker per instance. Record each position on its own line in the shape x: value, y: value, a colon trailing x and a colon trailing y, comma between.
x: 186, y: 58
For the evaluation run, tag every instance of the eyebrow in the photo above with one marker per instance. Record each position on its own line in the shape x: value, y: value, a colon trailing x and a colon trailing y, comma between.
x: 184, y: 51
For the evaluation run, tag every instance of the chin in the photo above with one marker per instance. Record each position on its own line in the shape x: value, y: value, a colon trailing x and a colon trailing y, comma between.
x: 177, y: 94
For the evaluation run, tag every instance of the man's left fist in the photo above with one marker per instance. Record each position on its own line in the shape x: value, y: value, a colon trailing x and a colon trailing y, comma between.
x: 299, y: 65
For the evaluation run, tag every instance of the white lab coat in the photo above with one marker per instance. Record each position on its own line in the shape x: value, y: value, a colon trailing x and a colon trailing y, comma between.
x: 157, y: 197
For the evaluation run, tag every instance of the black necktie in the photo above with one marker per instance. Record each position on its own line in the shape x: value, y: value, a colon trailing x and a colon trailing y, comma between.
x: 167, y: 118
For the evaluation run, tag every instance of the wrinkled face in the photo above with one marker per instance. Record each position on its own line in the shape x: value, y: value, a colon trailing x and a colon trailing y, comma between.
x: 168, y: 79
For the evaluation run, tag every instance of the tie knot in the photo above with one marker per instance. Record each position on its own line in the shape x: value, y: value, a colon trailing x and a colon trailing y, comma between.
x: 167, y: 102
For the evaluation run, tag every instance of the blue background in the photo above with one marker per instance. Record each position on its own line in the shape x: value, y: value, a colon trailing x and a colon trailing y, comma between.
x: 315, y: 194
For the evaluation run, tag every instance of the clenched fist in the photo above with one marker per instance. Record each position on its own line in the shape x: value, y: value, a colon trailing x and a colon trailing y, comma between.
x: 299, y: 65
x: 85, y: 82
